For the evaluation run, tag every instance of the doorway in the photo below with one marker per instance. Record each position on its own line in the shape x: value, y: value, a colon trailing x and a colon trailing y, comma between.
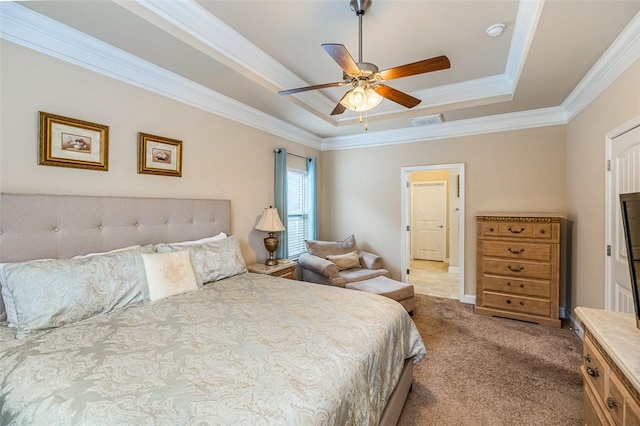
x: 432, y: 208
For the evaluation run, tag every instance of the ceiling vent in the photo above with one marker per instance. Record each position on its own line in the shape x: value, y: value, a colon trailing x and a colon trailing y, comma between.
x: 426, y: 120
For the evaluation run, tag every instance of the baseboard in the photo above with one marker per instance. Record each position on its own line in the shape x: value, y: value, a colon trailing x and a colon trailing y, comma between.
x: 576, y: 326
x: 469, y: 298
x: 453, y: 269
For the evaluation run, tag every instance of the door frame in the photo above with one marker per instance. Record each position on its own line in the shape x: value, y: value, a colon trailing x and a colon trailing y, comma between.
x: 609, y: 301
x: 405, y: 208
x: 444, y: 207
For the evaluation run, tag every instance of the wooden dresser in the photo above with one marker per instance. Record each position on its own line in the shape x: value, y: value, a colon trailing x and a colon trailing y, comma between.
x: 518, y: 267
x: 610, y: 368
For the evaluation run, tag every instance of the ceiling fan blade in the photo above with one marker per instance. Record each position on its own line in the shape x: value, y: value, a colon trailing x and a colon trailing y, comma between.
x: 307, y: 88
x: 428, y: 65
x: 396, y: 96
x: 341, y: 55
x: 339, y: 109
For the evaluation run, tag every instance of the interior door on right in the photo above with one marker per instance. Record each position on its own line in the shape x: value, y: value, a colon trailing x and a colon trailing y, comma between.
x: 625, y: 169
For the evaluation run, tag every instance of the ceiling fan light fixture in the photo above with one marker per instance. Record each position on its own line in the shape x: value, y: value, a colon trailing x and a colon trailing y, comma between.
x: 373, y: 99
x: 358, y: 97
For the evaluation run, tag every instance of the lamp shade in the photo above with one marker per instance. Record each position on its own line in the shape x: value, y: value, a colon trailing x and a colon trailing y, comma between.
x: 270, y: 221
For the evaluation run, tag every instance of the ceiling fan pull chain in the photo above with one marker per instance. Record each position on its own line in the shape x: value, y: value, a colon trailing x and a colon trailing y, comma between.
x: 366, y: 121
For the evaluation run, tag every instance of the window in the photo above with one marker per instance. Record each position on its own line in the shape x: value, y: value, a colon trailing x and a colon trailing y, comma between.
x: 298, y: 211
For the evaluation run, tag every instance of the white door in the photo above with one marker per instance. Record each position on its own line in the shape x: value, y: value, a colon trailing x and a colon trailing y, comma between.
x: 625, y: 177
x: 428, y: 220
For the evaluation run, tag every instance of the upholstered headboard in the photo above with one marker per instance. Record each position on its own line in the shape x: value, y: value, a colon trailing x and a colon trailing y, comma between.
x: 62, y: 226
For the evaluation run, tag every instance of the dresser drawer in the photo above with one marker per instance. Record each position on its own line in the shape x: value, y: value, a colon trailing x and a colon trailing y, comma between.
x: 489, y: 229
x: 519, y: 287
x: 517, y: 304
x: 517, y: 250
x: 516, y: 229
x: 614, y: 399
x: 517, y: 268
x: 543, y: 231
x: 594, y: 367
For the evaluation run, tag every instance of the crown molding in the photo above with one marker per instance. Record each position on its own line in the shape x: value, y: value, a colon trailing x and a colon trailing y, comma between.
x: 22, y: 26
x: 524, y: 29
x: 453, y: 129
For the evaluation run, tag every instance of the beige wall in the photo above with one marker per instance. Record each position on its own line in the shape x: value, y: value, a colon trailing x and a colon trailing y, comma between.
x: 518, y: 171
x: 221, y: 158
x: 586, y: 161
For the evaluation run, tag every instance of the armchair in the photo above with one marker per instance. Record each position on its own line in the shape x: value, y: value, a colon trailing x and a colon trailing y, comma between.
x: 339, y: 263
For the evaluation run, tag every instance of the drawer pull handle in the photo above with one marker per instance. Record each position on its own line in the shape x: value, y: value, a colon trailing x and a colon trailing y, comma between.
x: 515, y: 231
x: 508, y: 301
x: 515, y: 269
x: 542, y: 231
x: 521, y: 303
x: 515, y: 251
x: 490, y: 229
x: 593, y: 372
x: 587, y: 358
x: 521, y: 285
x: 611, y: 403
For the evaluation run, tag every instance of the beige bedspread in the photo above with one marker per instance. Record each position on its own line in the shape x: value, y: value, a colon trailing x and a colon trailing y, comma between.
x: 247, y: 350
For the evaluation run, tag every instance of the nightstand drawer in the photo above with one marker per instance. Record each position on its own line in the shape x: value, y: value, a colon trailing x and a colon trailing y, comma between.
x: 282, y: 270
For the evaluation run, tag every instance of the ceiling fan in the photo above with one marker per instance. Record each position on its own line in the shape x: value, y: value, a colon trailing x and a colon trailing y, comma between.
x: 365, y: 78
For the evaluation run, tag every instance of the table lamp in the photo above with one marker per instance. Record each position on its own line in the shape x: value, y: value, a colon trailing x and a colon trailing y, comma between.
x: 270, y: 222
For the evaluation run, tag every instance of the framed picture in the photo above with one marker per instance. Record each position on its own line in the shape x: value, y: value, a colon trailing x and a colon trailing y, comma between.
x: 67, y: 142
x: 159, y: 156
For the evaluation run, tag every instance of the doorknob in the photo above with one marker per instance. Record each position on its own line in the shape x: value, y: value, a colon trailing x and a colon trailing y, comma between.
x: 440, y: 226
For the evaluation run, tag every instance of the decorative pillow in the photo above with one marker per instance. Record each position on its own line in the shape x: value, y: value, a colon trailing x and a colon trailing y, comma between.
x: 325, y: 248
x: 220, y: 236
x: 169, y: 274
x: 345, y: 261
x: 212, y: 261
x: 51, y: 293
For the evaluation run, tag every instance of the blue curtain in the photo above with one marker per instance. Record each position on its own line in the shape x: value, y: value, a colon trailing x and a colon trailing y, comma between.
x: 312, y: 231
x: 280, y: 200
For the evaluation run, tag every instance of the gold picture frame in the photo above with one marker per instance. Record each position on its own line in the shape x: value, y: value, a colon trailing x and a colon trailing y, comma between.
x: 158, y: 155
x: 68, y: 142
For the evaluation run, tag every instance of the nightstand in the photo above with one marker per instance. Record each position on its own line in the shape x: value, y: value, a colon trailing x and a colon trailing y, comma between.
x: 282, y: 270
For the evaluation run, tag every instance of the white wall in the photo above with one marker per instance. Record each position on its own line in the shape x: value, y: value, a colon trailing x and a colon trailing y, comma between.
x: 221, y: 159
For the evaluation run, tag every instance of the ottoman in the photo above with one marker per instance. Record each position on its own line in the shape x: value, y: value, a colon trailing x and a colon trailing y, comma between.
x: 385, y: 286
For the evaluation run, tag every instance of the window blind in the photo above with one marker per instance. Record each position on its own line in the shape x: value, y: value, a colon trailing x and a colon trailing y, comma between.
x: 298, y: 212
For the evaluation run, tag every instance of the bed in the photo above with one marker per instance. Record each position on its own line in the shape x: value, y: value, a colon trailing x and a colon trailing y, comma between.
x: 239, y: 348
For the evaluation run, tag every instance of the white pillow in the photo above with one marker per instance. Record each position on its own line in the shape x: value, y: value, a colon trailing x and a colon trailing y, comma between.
x: 220, y: 236
x: 169, y: 274
x: 345, y: 261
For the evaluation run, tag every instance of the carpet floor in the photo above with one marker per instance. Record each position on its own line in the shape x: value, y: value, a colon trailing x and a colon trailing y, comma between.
x: 492, y: 371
